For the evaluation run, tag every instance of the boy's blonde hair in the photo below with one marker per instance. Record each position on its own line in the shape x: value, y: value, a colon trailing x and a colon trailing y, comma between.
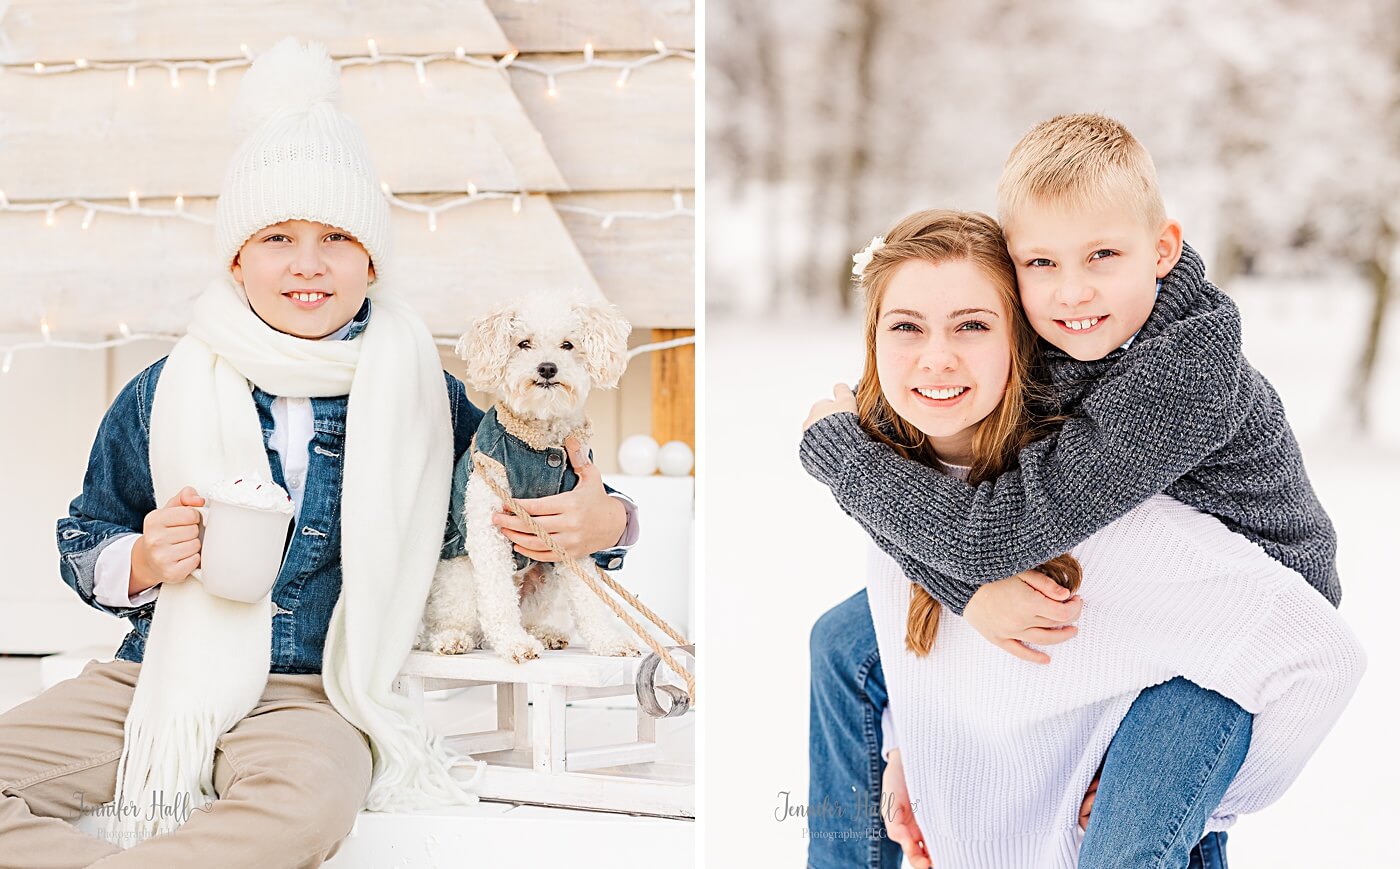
x: 1079, y: 161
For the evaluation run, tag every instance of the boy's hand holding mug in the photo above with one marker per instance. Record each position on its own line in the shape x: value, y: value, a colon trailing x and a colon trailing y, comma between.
x: 168, y: 548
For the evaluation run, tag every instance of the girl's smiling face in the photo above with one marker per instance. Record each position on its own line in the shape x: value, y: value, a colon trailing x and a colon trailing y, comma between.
x: 303, y: 278
x: 943, y: 350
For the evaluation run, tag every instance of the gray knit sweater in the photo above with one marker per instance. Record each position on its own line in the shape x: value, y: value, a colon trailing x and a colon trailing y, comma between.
x: 1180, y: 411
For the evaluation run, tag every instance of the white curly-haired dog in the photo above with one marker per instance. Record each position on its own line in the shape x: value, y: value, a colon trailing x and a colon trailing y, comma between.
x: 540, y: 357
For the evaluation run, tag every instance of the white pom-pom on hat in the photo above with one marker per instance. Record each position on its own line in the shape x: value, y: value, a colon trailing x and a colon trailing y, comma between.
x: 289, y: 77
x: 301, y: 159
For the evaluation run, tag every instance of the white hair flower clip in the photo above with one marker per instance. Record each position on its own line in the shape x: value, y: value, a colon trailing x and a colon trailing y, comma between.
x: 863, y: 258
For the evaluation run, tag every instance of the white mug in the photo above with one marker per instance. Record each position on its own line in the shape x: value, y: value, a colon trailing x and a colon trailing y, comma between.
x: 240, y: 551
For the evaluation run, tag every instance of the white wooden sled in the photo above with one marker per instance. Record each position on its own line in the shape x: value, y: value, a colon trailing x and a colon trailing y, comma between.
x: 527, y: 756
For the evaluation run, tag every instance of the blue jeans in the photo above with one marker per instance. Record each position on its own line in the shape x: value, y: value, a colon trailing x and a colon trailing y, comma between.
x: 846, y: 769
x: 1148, y: 812
x: 1166, y: 770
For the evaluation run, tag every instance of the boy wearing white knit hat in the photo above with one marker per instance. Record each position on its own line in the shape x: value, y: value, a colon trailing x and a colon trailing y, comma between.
x: 230, y: 733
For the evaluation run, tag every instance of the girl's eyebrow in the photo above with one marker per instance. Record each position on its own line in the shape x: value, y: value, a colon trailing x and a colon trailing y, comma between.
x: 964, y: 311
x: 904, y: 312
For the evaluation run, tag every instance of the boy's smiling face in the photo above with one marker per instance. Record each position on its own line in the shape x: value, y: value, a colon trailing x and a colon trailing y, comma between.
x: 303, y: 278
x: 1088, y: 277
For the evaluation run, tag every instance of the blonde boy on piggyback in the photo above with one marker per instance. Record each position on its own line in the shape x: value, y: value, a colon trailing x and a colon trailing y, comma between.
x: 233, y: 734
x: 1143, y: 357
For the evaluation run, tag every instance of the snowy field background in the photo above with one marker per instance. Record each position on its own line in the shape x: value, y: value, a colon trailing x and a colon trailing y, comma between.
x: 780, y: 552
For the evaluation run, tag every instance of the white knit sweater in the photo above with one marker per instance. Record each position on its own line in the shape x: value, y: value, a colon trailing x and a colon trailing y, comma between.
x: 999, y: 752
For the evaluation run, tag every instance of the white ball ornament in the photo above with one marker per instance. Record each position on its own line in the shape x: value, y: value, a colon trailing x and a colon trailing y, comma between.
x: 637, y: 455
x: 675, y: 459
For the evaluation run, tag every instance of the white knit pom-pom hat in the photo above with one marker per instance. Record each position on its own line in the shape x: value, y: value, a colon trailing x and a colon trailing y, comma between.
x: 301, y: 158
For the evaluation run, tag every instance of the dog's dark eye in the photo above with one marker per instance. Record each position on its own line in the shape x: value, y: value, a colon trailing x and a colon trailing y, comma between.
x: 567, y: 345
x: 524, y: 345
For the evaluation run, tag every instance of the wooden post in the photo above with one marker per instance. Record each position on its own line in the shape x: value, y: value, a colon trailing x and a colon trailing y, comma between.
x: 547, y: 726
x: 673, y: 389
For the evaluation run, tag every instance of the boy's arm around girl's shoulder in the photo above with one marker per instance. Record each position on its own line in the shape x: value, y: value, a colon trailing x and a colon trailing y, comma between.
x: 117, y: 490
x: 1167, y: 404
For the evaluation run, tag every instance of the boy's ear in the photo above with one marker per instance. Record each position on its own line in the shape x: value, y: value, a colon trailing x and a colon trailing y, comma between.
x: 1168, y: 247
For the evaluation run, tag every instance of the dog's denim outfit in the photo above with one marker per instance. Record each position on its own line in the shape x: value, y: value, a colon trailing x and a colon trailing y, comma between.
x: 530, y: 473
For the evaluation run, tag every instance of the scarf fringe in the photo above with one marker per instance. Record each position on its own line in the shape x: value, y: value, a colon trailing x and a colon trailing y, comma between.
x: 421, y: 777
x: 167, y: 763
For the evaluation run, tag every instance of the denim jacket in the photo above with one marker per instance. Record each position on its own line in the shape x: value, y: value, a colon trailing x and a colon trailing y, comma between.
x: 530, y: 473
x: 118, y: 493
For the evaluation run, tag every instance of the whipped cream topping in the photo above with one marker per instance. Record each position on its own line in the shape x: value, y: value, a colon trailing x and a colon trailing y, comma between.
x: 252, y: 492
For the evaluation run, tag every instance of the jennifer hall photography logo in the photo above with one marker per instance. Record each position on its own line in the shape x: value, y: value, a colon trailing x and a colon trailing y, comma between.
x: 859, y: 805
x: 179, y: 807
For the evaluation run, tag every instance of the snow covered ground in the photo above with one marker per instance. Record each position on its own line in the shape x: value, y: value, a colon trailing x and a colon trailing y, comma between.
x: 779, y: 553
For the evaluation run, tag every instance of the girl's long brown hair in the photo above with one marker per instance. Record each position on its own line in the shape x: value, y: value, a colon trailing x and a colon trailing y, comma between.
x: 940, y: 236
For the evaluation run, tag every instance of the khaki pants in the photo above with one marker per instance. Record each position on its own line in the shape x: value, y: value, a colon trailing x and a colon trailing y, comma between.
x: 291, y: 779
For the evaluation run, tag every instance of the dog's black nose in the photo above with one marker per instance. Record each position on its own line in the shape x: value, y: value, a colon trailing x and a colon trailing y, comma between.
x: 547, y: 370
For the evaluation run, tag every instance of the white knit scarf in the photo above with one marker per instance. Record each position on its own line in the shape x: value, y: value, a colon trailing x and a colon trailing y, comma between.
x: 207, y: 658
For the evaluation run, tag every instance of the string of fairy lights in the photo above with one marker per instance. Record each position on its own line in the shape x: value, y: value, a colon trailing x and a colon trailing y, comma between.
x: 136, y: 206
x: 420, y: 62
x: 605, y: 217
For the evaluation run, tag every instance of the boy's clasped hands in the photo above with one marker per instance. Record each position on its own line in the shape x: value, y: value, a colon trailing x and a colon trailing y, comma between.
x: 1029, y: 607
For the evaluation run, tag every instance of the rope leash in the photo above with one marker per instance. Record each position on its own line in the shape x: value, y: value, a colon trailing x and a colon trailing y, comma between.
x: 573, y: 564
